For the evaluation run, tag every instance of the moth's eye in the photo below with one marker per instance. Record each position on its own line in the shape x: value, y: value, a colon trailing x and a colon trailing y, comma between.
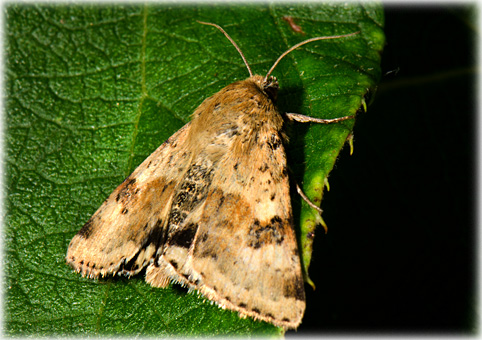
x: 271, y: 82
x: 272, y: 91
x: 271, y: 88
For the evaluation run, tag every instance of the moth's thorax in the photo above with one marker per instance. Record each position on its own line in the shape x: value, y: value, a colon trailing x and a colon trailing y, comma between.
x: 252, y: 96
x: 245, y: 109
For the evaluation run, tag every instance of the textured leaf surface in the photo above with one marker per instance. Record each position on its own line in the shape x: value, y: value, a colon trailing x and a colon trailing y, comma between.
x: 93, y: 90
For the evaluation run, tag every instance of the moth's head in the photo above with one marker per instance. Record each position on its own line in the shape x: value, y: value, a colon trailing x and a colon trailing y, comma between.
x: 270, y: 87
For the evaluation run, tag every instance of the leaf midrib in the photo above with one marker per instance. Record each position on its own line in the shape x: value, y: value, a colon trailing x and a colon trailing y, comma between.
x: 144, y: 94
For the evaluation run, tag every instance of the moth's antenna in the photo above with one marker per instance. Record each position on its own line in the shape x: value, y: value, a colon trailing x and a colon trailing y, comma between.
x: 232, y: 42
x: 301, y: 44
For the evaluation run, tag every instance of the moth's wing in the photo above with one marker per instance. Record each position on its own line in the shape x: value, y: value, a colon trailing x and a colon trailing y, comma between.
x: 237, y: 245
x: 250, y: 259
x: 125, y: 233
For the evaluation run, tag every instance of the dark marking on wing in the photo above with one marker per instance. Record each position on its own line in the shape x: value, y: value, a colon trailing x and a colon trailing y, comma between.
x: 263, y: 167
x: 203, y: 238
x: 192, y: 191
x: 86, y: 230
x: 274, y: 142
x: 294, y: 289
x: 284, y: 172
x: 221, y: 202
x: 156, y: 237
x: 204, y: 246
x: 183, y: 237
x: 206, y: 252
x: 127, y: 188
x: 173, y: 263
x: 269, y: 233
x: 168, y: 185
x: 176, y: 217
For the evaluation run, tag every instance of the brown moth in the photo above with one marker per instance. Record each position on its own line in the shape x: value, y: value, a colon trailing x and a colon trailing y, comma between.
x: 210, y: 208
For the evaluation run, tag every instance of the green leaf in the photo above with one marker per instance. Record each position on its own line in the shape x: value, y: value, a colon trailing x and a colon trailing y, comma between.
x: 93, y: 90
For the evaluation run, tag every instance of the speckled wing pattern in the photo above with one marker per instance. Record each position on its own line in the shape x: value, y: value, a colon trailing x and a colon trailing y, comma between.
x: 209, y: 209
x: 238, y: 247
x: 128, y: 229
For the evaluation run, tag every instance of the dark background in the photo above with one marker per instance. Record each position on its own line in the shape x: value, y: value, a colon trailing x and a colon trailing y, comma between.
x: 400, y: 253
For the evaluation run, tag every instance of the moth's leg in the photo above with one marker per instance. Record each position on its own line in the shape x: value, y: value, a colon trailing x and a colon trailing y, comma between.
x: 306, y: 119
x: 311, y: 204
x: 302, y: 194
x: 307, y: 200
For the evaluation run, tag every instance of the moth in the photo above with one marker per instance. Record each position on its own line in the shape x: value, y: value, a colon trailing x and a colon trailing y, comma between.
x: 210, y: 208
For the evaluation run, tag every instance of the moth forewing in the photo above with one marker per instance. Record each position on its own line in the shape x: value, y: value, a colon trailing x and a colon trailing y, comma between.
x: 125, y: 233
x: 210, y: 209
